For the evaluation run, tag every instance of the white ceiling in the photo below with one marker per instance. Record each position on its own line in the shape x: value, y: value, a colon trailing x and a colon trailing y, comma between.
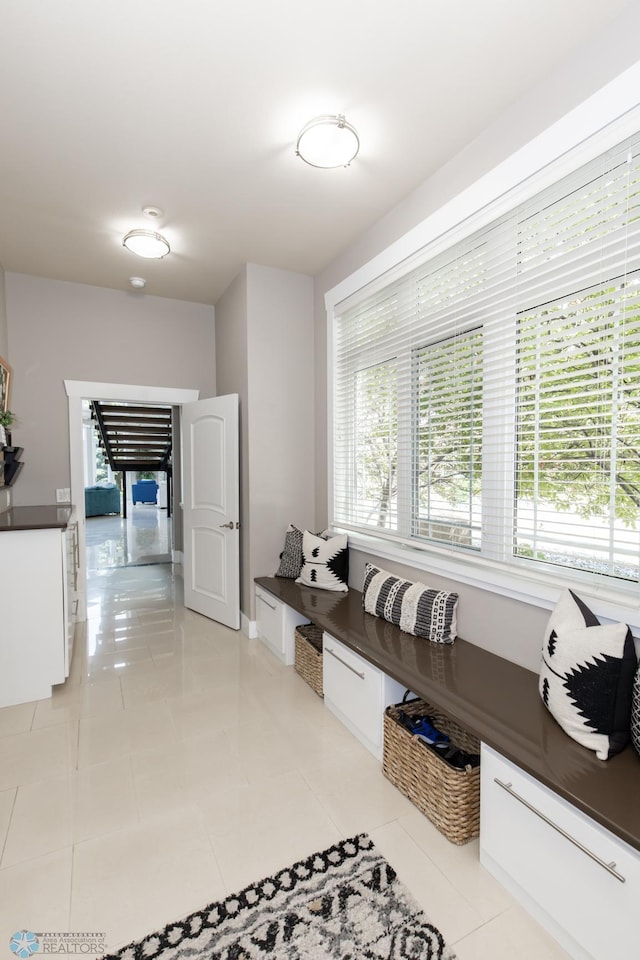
x: 195, y: 106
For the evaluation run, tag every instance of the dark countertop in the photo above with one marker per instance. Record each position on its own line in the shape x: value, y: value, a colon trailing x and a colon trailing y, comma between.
x: 35, y: 518
x: 489, y: 696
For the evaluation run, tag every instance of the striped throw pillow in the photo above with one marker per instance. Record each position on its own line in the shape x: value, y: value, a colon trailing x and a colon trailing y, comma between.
x: 413, y: 607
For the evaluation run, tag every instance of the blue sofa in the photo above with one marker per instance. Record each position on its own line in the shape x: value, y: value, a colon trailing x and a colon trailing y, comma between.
x: 99, y: 501
x: 145, y: 491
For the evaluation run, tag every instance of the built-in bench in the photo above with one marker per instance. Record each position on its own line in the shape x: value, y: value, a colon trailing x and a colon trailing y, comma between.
x: 499, y: 702
x: 489, y: 696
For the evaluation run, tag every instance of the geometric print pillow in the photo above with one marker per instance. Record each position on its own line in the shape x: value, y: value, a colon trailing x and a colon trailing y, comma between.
x: 586, y: 676
x: 411, y: 606
x: 291, y: 556
x: 325, y: 563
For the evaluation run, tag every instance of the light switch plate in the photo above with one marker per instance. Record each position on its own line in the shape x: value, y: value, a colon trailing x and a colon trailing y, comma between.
x: 63, y: 495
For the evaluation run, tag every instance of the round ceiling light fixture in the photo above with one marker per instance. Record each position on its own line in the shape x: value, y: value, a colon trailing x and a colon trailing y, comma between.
x: 328, y: 141
x: 138, y: 283
x: 146, y: 243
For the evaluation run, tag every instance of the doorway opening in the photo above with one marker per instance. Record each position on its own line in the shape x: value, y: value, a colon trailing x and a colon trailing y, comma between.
x: 79, y: 391
x: 128, y: 470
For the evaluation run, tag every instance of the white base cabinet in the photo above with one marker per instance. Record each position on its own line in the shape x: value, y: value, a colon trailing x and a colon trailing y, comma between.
x: 276, y: 624
x: 577, y: 879
x: 38, y: 611
x: 357, y: 693
x: 70, y: 563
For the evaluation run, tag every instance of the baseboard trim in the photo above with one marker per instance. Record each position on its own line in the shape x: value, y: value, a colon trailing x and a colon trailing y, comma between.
x: 177, y: 556
x: 248, y: 627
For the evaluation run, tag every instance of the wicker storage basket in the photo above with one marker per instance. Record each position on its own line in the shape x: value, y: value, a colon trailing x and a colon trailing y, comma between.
x: 308, y: 661
x: 450, y: 798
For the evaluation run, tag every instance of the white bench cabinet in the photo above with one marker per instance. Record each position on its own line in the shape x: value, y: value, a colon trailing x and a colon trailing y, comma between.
x: 576, y: 878
x: 357, y: 692
x: 276, y: 623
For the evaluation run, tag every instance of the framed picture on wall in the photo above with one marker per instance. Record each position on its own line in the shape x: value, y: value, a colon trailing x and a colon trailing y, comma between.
x: 5, y: 385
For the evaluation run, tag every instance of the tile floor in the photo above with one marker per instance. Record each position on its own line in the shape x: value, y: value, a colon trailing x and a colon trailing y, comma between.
x: 181, y: 761
x: 143, y: 537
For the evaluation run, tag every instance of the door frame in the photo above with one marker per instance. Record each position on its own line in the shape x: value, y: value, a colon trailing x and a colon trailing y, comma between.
x: 77, y: 391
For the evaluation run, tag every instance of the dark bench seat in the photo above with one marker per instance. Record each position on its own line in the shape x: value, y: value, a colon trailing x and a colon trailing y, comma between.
x: 490, y: 696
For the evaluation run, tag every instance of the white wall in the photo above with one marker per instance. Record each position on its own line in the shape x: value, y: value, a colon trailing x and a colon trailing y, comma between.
x: 281, y: 410
x: 4, y: 353
x: 232, y: 371
x: 59, y: 330
x: 4, y: 336
x: 264, y: 344
x: 509, y: 627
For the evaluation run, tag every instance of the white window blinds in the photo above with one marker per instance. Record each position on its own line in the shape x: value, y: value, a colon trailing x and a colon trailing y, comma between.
x: 489, y: 400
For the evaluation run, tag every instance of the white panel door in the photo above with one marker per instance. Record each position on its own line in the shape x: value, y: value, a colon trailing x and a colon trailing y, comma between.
x: 211, y: 508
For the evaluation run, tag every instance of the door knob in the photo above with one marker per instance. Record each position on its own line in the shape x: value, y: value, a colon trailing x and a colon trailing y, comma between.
x: 227, y: 526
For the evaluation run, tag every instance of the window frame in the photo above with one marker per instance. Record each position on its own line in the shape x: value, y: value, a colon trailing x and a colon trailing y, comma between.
x: 597, y: 125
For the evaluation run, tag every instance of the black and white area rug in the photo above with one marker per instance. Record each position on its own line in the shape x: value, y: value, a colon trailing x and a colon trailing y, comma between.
x: 344, y: 903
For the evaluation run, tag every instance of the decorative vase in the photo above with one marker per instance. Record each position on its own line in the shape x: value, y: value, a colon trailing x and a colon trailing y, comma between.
x: 635, y: 712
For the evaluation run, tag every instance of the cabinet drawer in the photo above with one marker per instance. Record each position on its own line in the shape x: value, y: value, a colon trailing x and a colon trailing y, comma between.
x: 357, y: 692
x: 579, y: 880
x: 276, y: 623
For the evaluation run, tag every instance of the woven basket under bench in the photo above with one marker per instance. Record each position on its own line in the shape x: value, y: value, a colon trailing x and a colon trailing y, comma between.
x: 308, y: 659
x: 450, y: 798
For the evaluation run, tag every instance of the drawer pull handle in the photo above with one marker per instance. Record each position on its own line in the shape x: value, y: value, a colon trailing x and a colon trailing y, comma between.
x: 344, y: 663
x: 609, y: 867
x: 271, y: 606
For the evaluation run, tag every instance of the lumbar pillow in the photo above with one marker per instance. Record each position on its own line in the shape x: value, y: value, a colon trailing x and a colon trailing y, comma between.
x: 413, y: 607
x: 586, y: 677
x: 325, y: 563
x: 635, y: 712
x: 291, y: 556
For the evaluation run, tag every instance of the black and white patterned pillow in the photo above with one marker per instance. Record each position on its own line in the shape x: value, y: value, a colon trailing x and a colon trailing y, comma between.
x: 635, y: 712
x: 291, y: 556
x: 413, y: 607
x: 586, y: 677
x: 325, y: 563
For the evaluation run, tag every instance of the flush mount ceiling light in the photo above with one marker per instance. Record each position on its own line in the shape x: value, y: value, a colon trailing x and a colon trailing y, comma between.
x: 147, y: 244
x: 329, y: 141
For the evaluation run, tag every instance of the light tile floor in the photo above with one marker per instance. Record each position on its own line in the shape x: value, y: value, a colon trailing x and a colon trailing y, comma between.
x: 143, y: 537
x: 181, y: 761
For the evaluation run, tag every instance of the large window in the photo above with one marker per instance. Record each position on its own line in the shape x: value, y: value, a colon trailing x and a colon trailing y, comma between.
x: 488, y: 401
x: 578, y: 431
x: 447, y: 434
